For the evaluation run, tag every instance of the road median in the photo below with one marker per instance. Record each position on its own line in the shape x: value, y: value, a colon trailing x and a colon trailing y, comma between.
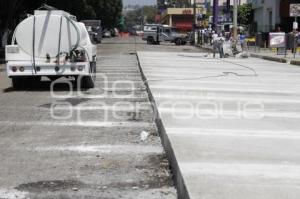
x: 269, y: 58
x: 295, y: 62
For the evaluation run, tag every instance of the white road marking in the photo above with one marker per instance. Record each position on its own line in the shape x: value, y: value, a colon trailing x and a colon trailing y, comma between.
x: 219, y: 89
x: 115, y: 149
x: 79, y: 124
x: 264, y: 171
x: 220, y: 113
x: 12, y: 194
x: 280, y: 134
x: 215, y: 97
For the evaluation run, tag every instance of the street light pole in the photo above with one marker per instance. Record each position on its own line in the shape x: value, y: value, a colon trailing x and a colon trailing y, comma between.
x: 235, y: 15
x: 295, y: 27
x: 215, y: 13
x: 195, y: 14
x: 195, y: 23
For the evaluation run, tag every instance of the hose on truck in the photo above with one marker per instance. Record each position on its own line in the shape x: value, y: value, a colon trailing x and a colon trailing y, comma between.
x: 69, y: 19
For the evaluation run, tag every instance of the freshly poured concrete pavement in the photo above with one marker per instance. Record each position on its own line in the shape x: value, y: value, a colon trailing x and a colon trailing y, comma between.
x: 233, y: 124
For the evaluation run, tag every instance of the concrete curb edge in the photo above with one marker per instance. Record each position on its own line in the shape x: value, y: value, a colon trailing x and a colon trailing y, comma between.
x: 177, y: 175
x: 296, y: 63
x: 269, y: 58
x: 276, y: 59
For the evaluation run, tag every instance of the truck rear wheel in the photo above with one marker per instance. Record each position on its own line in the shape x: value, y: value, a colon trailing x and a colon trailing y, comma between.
x: 17, y: 82
x: 89, y: 81
x: 178, y: 42
x: 34, y: 82
x: 150, y: 40
x: 25, y: 82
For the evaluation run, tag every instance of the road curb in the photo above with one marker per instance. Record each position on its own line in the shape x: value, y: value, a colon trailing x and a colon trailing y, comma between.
x: 269, y: 58
x: 206, y: 48
x: 296, y: 63
x: 177, y: 175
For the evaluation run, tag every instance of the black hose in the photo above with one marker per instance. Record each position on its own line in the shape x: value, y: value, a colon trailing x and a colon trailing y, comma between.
x: 33, y: 45
x: 59, y: 42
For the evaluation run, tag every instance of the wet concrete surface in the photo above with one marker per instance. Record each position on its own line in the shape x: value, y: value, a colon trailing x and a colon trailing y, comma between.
x: 232, y: 124
x: 87, y: 144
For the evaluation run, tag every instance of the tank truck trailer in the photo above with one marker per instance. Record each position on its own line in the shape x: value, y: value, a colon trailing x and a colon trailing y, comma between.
x: 51, y: 43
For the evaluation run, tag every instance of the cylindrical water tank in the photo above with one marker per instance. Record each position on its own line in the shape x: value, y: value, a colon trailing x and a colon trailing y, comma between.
x: 53, y: 33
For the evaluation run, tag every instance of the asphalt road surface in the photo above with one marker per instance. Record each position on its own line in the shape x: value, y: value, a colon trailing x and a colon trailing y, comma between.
x: 99, y: 143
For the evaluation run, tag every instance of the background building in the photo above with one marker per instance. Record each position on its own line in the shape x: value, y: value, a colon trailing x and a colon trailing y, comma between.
x: 266, y: 14
x: 286, y: 20
x: 180, y: 13
x: 271, y: 14
x: 181, y: 18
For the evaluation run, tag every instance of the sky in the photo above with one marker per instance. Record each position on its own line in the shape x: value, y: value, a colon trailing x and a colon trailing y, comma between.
x: 139, y: 2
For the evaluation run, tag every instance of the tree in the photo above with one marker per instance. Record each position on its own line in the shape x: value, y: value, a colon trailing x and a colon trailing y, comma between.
x: 150, y: 13
x: 245, y: 14
x: 12, y: 11
x: 75, y: 7
x: 9, y: 13
x: 109, y: 12
x: 139, y: 15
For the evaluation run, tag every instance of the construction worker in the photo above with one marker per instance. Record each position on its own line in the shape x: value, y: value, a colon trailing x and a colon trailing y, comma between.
x: 218, y: 41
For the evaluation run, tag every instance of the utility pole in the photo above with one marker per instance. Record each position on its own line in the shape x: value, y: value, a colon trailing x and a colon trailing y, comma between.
x: 215, y: 14
x: 195, y: 24
x: 295, y: 28
x: 142, y: 17
x: 235, y: 15
x: 195, y: 14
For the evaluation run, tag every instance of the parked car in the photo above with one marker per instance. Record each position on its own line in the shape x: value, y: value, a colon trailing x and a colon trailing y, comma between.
x: 114, y: 32
x: 106, y: 33
x: 156, y: 33
x: 94, y: 29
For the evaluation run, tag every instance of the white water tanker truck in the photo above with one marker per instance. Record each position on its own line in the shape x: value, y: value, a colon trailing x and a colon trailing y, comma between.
x: 53, y: 44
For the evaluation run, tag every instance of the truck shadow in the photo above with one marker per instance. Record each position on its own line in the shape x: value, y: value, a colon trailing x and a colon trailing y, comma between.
x: 45, y: 86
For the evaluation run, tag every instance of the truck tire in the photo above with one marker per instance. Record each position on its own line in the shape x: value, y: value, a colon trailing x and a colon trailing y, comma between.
x: 25, y: 82
x: 150, y: 40
x: 33, y: 82
x: 17, y: 83
x: 178, y: 42
x: 88, y: 82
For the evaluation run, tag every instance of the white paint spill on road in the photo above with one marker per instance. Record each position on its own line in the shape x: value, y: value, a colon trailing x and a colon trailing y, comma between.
x: 219, y: 89
x: 88, y: 107
x: 273, y: 171
x: 280, y: 134
x: 12, y: 194
x: 213, y: 113
x: 114, y: 149
x: 215, y: 97
x: 103, y: 96
x: 79, y: 124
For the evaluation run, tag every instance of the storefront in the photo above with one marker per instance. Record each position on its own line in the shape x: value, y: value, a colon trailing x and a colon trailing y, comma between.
x: 181, y: 18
